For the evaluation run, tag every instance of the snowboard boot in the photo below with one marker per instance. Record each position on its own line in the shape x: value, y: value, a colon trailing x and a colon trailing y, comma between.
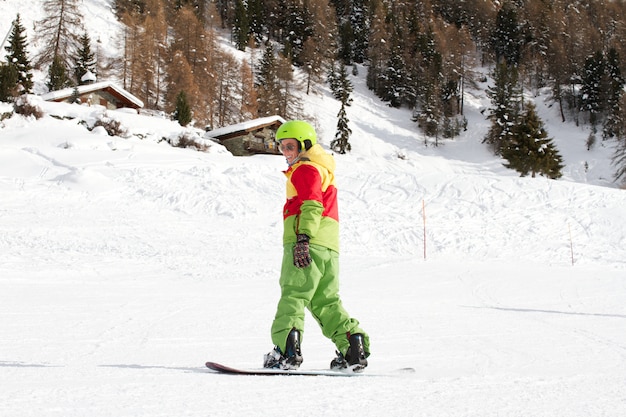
x: 273, y: 359
x: 355, y: 359
x: 293, y: 355
x: 291, y: 359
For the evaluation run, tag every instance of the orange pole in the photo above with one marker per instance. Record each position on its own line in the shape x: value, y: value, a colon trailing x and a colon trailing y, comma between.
x: 424, y: 218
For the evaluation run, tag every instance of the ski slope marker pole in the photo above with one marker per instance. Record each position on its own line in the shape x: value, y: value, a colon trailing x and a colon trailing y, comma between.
x: 571, y: 243
x: 424, y: 219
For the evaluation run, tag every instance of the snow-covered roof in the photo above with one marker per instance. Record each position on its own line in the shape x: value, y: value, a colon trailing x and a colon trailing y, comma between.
x: 88, y: 76
x: 244, y: 127
x: 88, y: 88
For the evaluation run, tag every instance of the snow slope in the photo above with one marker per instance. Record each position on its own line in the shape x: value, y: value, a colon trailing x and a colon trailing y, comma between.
x: 126, y: 264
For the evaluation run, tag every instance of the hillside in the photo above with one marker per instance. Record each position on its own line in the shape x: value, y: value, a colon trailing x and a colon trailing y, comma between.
x: 593, y: 167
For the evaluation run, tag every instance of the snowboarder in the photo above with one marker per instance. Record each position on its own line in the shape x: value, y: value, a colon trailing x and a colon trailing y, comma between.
x: 310, y: 267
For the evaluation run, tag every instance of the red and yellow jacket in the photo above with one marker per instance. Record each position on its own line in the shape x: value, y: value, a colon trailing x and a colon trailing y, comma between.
x: 311, y: 206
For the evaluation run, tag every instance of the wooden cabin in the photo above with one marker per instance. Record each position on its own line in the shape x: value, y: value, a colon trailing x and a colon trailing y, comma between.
x: 249, y: 138
x: 102, y: 93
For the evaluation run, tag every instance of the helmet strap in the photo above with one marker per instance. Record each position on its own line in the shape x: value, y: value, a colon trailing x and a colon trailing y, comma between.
x: 295, y: 161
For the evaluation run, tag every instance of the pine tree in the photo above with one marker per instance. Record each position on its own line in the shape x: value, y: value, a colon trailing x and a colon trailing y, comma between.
x: 340, y: 86
x: 75, y: 95
x: 557, y: 68
x: 353, y: 22
x: 378, y: 51
x: 297, y: 29
x: 241, y: 27
x: 537, y: 19
x: 57, y: 75
x: 84, y: 60
x: 342, y: 92
x: 341, y: 142
x: 505, y: 98
x: 8, y: 82
x: 18, y: 59
x: 530, y: 151
x: 395, y: 78
x: 346, y: 41
x: 429, y: 114
x: 614, y: 123
x: 256, y: 19
x: 506, y: 39
x: 591, y: 93
x: 267, y: 83
x: 182, y: 112
x: 362, y: 23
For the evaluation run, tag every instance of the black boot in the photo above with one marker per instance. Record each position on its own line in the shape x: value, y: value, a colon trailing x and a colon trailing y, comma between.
x: 293, y: 354
x: 355, y: 358
x: 291, y: 359
x: 356, y: 353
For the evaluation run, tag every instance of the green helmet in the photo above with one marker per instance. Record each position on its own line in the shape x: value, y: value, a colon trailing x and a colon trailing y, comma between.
x: 299, y: 130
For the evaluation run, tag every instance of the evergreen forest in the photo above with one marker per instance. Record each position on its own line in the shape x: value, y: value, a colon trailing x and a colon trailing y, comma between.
x: 418, y: 54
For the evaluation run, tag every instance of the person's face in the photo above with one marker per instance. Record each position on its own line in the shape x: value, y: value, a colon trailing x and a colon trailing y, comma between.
x: 289, y: 148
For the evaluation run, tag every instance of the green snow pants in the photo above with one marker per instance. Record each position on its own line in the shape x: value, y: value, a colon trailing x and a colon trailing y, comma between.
x: 316, y: 288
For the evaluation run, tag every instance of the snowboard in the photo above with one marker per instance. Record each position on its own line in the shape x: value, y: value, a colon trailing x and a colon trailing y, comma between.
x: 218, y: 367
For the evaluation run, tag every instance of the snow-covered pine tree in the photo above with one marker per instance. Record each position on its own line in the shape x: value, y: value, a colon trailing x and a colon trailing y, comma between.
x: 267, y: 82
x: 353, y: 22
x: 395, y: 78
x: 241, y: 26
x: 506, y: 38
x: 296, y: 29
x: 342, y: 92
x: 257, y: 19
x: 75, y: 95
x: 341, y: 142
x: 592, y: 98
x: 506, y: 98
x: 429, y: 115
x: 340, y: 84
x: 84, y: 59
x: 530, y: 151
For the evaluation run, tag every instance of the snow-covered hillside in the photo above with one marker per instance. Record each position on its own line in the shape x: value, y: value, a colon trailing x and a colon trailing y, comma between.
x: 126, y: 264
